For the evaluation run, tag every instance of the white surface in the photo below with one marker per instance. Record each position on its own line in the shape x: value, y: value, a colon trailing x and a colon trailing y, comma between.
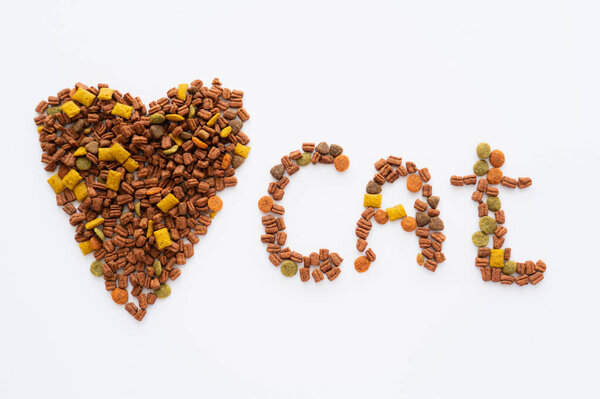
x: 423, y: 80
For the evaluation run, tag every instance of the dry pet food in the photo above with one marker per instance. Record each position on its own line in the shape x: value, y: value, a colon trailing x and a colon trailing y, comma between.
x: 426, y: 224
x: 495, y: 263
x: 138, y: 182
x: 323, y: 262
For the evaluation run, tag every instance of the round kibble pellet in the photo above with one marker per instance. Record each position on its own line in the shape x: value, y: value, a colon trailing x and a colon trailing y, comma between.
x: 361, y: 264
x: 414, y: 183
x: 215, y: 203
x: 494, y: 176
x: 409, y: 223
x: 381, y: 216
x: 277, y: 171
x: 120, y: 296
x: 322, y: 148
x: 157, y: 119
x: 493, y: 204
x: 510, y: 266
x: 436, y: 224
x: 373, y: 187
x: 289, y: 268
x: 497, y: 158
x: 488, y: 224
x: 480, y: 239
x: 481, y: 167
x: 265, y: 204
x: 304, y: 159
x: 163, y: 291
x: 483, y: 150
x: 82, y: 163
x: 96, y: 268
x: 341, y: 163
x: 335, y: 150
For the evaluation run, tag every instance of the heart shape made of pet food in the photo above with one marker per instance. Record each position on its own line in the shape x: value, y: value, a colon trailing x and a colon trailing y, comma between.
x: 140, y: 185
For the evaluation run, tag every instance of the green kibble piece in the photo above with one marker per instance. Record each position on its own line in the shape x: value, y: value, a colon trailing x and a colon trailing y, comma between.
x: 157, y: 266
x: 163, y: 291
x: 487, y: 224
x: 480, y: 239
x: 96, y: 268
x: 510, y: 266
x: 481, y: 167
x: 54, y: 110
x: 171, y: 150
x: 82, y: 163
x: 192, y: 111
x: 493, y: 204
x: 289, y: 268
x: 304, y: 159
x: 99, y: 233
x: 157, y: 119
x: 137, y: 209
x: 483, y: 150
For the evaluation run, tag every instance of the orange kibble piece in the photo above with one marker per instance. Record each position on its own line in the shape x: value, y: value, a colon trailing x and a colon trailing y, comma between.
x: 408, y: 223
x: 361, y: 264
x: 494, y: 176
x: 120, y: 296
x: 420, y: 259
x: 265, y: 203
x: 413, y: 183
x: 215, y: 203
x: 341, y: 163
x: 381, y: 216
x: 497, y: 158
x: 95, y: 243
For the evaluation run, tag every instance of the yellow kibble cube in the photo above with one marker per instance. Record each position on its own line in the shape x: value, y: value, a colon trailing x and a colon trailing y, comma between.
x: 94, y: 223
x: 70, y: 108
x: 225, y: 132
x: 113, y: 180
x: 176, y: 139
x: 163, y: 239
x: 396, y: 212
x: 81, y: 151
x: 40, y: 128
x: 86, y: 247
x: 131, y: 164
x: 167, y: 203
x: 174, y: 117
x: 182, y: 91
x: 84, y: 97
x: 80, y: 191
x: 241, y: 150
x: 122, y: 110
x: 71, y: 179
x: 119, y: 153
x: 211, y: 122
x: 150, y: 229
x: 105, y: 154
x: 372, y: 200
x: 105, y: 93
x: 496, y: 257
x: 56, y: 183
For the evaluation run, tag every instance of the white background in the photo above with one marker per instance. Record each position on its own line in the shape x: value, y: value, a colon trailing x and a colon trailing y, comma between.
x: 423, y: 80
